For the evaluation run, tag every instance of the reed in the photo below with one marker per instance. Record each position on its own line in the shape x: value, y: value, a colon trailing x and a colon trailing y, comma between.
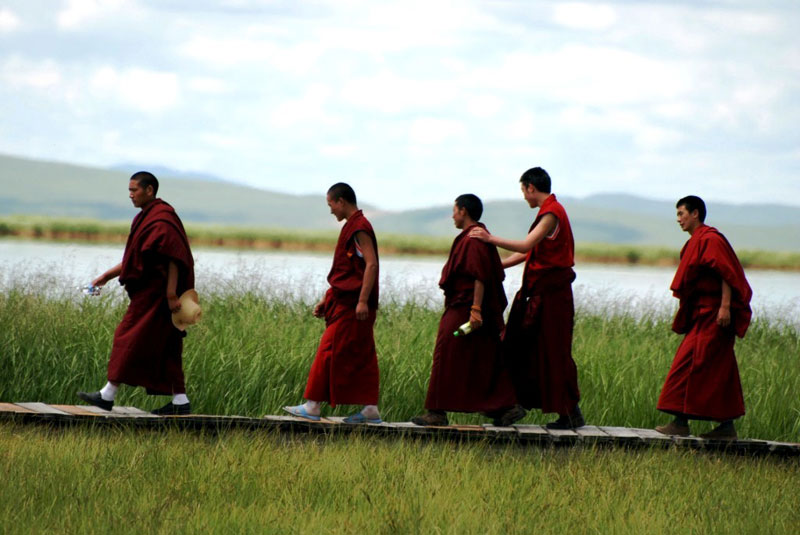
x: 252, y: 352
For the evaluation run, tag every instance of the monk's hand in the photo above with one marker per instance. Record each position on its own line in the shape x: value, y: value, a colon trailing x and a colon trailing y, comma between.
x: 319, y: 309
x: 475, y: 317
x: 174, y: 303
x: 362, y: 311
x: 724, y: 316
x: 479, y: 233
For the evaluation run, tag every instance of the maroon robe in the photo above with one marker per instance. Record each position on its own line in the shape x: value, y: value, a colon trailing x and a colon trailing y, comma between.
x: 468, y: 374
x: 345, y: 368
x: 147, y: 347
x: 703, y: 382
x: 537, y: 342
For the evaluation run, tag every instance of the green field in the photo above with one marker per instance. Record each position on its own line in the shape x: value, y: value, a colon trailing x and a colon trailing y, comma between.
x: 86, y: 480
x: 207, y: 235
x: 251, y: 355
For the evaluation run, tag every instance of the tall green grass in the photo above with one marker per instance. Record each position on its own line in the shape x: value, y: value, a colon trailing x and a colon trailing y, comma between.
x: 86, y: 480
x: 251, y: 355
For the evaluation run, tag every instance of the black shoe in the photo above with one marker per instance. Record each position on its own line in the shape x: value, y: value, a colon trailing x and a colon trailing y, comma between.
x: 509, y: 416
x: 572, y: 420
x: 174, y: 410
x: 431, y: 418
x: 94, y: 398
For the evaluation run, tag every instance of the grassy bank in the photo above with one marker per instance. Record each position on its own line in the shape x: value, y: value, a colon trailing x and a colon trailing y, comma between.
x: 259, y: 238
x: 129, y: 481
x: 251, y: 355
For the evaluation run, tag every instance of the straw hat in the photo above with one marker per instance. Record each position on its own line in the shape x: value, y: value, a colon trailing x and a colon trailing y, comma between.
x: 190, y: 312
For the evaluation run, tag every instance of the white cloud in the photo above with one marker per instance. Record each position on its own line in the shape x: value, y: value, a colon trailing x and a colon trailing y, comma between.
x: 77, y: 14
x: 338, y: 151
x: 431, y: 131
x: 142, y: 89
x: 389, y: 93
x: 25, y: 74
x: 306, y: 110
x: 584, y: 16
x: 8, y: 20
x: 207, y: 85
x: 585, y: 75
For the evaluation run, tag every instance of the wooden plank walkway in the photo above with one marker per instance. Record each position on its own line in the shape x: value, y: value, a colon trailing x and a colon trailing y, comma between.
x: 35, y: 412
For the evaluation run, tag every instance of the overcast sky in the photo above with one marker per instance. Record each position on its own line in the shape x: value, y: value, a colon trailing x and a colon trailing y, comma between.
x: 414, y: 102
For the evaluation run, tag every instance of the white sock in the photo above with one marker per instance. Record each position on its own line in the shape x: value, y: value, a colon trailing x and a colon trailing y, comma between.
x: 312, y: 407
x: 179, y: 399
x: 109, y: 392
x: 371, y: 412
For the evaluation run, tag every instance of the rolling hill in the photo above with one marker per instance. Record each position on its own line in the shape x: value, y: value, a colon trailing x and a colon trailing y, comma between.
x: 33, y: 187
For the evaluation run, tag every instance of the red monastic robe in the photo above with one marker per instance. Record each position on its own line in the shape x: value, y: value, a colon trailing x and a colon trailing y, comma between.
x: 147, y: 348
x: 468, y: 374
x: 345, y: 369
x: 703, y: 382
x: 537, y: 343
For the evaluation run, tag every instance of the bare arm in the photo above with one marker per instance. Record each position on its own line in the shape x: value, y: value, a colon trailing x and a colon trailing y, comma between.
x: 513, y: 260
x: 542, y: 229
x: 475, y: 316
x: 112, y: 273
x: 370, y: 274
x: 724, y: 314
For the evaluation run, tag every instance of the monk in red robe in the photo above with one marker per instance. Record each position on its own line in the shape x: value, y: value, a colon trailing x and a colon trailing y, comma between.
x: 467, y: 373
x: 345, y: 369
x: 537, y: 342
x: 703, y: 382
x: 156, y: 268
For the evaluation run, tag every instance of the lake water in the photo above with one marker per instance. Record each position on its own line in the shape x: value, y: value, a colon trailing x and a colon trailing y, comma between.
x: 58, y: 267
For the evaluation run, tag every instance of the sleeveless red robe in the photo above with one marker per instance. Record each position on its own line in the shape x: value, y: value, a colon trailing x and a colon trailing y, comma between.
x: 147, y: 348
x: 703, y: 382
x: 537, y: 342
x: 468, y: 374
x: 345, y: 368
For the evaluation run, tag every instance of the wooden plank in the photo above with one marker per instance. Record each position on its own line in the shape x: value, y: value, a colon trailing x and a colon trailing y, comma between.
x: 11, y: 407
x: 133, y: 412
x: 593, y: 434
x: 96, y: 410
x: 77, y: 410
x: 563, y: 436
x: 42, y: 408
x: 500, y: 433
x: 653, y: 437
x: 533, y: 433
x: 622, y: 435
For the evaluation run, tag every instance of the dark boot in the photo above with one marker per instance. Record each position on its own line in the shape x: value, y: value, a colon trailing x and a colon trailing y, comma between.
x: 174, y: 410
x: 94, y: 398
x: 509, y: 416
x: 431, y: 418
x: 572, y: 420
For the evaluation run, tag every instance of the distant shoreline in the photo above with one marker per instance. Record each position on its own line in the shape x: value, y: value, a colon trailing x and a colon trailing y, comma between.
x: 265, y: 239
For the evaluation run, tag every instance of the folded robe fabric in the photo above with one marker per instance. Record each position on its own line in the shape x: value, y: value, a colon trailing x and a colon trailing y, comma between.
x: 147, y: 348
x: 703, y: 381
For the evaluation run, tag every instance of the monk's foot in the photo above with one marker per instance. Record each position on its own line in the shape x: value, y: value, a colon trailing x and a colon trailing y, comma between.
x: 572, y: 420
x: 673, y: 429
x: 171, y: 409
x: 301, y: 412
x: 94, y: 398
x: 431, y: 418
x: 721, y: 432
x: 509, y: 416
